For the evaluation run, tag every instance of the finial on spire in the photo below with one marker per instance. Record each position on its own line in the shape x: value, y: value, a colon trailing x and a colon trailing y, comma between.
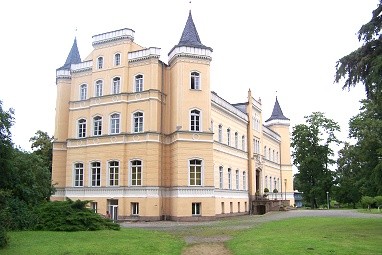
x: 190, y: 5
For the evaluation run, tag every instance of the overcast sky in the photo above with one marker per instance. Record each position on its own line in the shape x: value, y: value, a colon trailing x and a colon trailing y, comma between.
x: 286, y: 46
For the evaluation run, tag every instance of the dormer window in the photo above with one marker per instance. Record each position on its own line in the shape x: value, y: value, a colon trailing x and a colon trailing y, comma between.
x: 195, y: 80
x: 99, y: 62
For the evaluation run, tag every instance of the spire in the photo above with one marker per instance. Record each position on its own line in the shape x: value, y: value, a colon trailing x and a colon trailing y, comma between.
x: 190, y: 36
x: 277, y: 113
x: 73, y: 56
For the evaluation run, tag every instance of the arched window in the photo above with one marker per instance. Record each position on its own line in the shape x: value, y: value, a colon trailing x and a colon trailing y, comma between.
x: 138, y: 122
x: 195, y: 120
x: 237, y: 179
x: 97, y: 126
x: 81, y: 128
x: 229, y: 178
x: 83, y: 91
x: 116, y: 85
x: 98, y: 88
x: 195, y: 172
x: 236, y: 140
x: 220, y: 177
x: 243, y: 143
x: 136, y: 172
x: 195, y: 80
x: 138, y: 83
x: 228, y: 136
x: 99, y: 62
x: 114, y: 123
x: 117, y: 59
x: 96, y: 174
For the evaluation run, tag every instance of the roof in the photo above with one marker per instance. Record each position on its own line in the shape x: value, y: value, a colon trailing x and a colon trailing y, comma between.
x: 277, y: 113
x: 73, y: 56
x: 190, y: 36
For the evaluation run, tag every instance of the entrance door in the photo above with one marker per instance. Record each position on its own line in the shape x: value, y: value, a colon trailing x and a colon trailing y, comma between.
x: 113, y: 209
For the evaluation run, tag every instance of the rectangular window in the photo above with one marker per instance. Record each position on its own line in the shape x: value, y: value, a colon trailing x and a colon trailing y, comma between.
x: 237, y: 179
x: 195, y: 120
x: 221, y: 177
x: 134, y: 208
x: 229, y: 178
x: 79, y: 175
x: 113, y: 173
x: 195, y: 80
x: 238, y: 206
x: 228, y: 137
x: 195, y: 172
x: 244, y: 181
x: 243, y: 143
x: 230, y: 207
x: 100, y: 63
x: 117, y: 59
x: 222, y: 205
x: 136, y: 173
x: 220, y: 134
x: 83, y: 91
x: 196, y: 209
x: 96, y: 174
x: 94, y: 206
x: 138, y: 122
x: 98, y: 88
x: 97, y: 123
x: 139, y: 83
x: 236, y: 140
x: 81, y: 128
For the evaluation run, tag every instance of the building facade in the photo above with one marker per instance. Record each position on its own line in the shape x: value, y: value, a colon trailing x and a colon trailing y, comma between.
x: 145, y: 139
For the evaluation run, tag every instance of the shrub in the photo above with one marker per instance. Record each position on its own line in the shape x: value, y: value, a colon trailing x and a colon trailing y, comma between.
x: 367, y: 201
x: 266, y: 190
x: 275, y: 191
x: 71, y: 216
x: 3, y: 237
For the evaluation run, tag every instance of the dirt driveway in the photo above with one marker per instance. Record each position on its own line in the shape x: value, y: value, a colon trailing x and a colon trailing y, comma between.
x: 208, y: 238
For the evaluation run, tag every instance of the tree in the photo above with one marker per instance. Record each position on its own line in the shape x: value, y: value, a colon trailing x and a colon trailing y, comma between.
x: 367, y: 201
x: 6, y: 146
x: 42, y: 144
x: 378, y: 201
x: 312, y: 156
x: 364, y: 66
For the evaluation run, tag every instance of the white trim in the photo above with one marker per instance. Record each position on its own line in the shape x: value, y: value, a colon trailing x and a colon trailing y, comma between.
x: 133, y: 121
x: 201, y: 174
x: 131, y: 173
x: 200, y: 120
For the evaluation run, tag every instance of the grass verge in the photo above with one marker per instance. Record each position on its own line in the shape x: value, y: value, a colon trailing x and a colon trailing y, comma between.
x: 124, y: 241
x: 311, y: 236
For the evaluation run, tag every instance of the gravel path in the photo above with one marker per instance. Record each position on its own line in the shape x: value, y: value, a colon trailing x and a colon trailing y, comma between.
x: 208, y: 237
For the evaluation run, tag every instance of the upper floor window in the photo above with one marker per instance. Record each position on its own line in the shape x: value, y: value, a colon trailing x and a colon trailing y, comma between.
x: 269, y: 153
x: 97, y: 126
x: 99, y: 62
x: 277, y: 157
x: 81, y: 128
x: 78, y: 175
x: 138, y: 122
x: 83, y: 91
x: 195, y: 172
x: 114, y: 123
x: 212, y: 126
x: 266, y: 181
x: 220, y: 133
x: 136, y: 172
x: 116, y: 85
x: 244, y: 180
x: 113, y: 173
x: 237, y: 179
x: 229, y: 178
x: 98, y: 88
x: 228, y: 136
x: 96, y: 174
x: 220, y: 177
x: 138, y: 83
x: 265, y: 152
x: 243, y: 143
x: 195, y: 120
x: 117, y: 59
x: 236, y: 140
x: 195, y: 80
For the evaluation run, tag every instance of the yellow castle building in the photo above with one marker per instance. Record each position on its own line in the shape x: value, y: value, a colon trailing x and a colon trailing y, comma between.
x: 143, y: 139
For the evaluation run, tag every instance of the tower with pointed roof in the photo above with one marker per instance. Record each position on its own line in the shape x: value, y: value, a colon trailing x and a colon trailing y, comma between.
x: 280, y: 124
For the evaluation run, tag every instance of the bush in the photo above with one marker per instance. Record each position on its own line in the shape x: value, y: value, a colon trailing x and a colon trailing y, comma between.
x: 275, y: 191
x: 266, y: 190
x: 71, y: 216
x: 3, y: 237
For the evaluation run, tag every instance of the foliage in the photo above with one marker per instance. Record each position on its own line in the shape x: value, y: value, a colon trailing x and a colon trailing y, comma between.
x: 378, y: 201
x: 312, y: 156
x: 275, y: 191
x: 266, y: 190
x: 367, y: 201
x: 4, y: 196
x: 70, y: 216
x: 364, y: 65
x: 42, y: 144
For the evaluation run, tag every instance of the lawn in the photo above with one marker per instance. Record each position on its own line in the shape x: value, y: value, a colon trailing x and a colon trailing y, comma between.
x: 311, y: 236
x: 124, y: 241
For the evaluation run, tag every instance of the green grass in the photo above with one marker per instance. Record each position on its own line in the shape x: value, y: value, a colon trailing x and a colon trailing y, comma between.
x: 372, y: 211
x: 311, y: 236
x: 125, y: 241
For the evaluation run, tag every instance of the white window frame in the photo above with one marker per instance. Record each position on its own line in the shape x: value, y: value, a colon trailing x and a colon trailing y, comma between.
x: 83, y: 91
x: 115, y: 123
x: 95, y: 174
x: 116, y: 85
x: 193, y: 173
x: 97, y: 125
x: 98, y: 88
x: 81, y: 128
x: 195, y: 120
x: 244, y: 180
x: 113, y: 173
x: 100, y: 62
x: 221, y: 177
x: 243, y: 143
x: 136, y: 172
x: 138, y: 122
x: 236, y: 140
x: 195, y: 83
x: 138, y: 82
x: 237, y: 179
x: 134, y: 208
x: 228, y: 136
x: 78, y: 174
x: 220, y: 133
x: 196, y: 209
x: 117, y: 59
x: 229, y: 178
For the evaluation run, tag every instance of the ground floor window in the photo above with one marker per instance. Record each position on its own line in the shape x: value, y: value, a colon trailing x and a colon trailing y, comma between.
x: 245, y: 206
x: 134, y: 208
x: 222, y: 207
x: 238, y: 206
x: 230, y: 207
x: 196, y: 208
x: 94, y: 206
